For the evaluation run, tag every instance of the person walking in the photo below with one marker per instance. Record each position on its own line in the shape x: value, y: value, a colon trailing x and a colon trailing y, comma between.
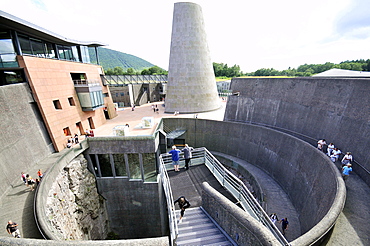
x: 30, y: 182
x: 175, y: 158
x: 348, y: 158
x: 320, y: 144
x: 12, y: 228
x: 284, y: 225
x: 24, y: 178
x: 335, y: 155
x: 274, y: 218
x: 346, y: 170
x: 187, y: 155
x: 183, y: 204
x: 40, y: 174
x: 330, y: 148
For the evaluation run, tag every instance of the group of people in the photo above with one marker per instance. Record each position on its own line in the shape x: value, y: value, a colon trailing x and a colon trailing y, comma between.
x: 284, y: 222
x: 72, y: 140
x: 29, y: 181
x: 155, y: 108
x: 175, y: 155
x: 334, y: 153
x: 12, y: 227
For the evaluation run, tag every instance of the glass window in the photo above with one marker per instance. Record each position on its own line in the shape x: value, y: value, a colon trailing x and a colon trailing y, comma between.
x: 6, y: 44
x: 149, y: 164
x: 95, y: 165
x: 37, y: 48
x: 50, y: 52
x: 119, y: 164
x: 25, y: 44
x: 105, y: 166
x: 85, y: 54
x: 134, y: 165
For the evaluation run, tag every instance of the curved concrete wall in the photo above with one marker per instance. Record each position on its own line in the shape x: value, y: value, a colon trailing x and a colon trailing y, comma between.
x: 335, y: 109
x: 310, y: 179
x: 241, y: 226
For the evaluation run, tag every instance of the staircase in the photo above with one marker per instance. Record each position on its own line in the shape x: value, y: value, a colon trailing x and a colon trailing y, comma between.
x: 197, y: 228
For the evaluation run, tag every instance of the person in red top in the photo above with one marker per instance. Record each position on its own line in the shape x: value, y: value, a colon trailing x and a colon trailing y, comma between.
x: 40, y: 174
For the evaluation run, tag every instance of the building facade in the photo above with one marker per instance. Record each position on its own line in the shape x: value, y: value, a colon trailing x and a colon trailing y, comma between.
x: 66, y: 87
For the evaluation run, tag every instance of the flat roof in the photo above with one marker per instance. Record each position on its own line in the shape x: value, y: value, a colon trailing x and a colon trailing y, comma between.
x: 343, y: 73
x: 12, y: 22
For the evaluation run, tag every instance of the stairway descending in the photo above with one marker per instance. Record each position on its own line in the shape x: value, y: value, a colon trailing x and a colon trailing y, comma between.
x: 197, y: 228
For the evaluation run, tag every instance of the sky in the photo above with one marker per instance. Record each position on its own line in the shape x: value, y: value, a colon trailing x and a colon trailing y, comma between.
x: 251, y: 34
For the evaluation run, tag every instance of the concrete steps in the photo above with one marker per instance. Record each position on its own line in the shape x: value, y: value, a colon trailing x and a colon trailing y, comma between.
x: 197, y: 228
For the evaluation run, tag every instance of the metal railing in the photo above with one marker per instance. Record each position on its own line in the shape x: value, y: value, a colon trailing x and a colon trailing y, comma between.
x: 120, y: 80
x: 174, y: 231
x: 233, y: 184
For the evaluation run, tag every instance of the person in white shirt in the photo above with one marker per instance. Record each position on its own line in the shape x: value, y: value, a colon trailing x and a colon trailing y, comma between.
x: 320, y: 144
x: 347, y: 159
x: 330, y: 149
x: 335, y: 155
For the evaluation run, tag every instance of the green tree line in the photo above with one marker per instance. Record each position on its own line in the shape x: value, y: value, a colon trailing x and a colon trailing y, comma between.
x: 223, y: 70
x: 311, y: 69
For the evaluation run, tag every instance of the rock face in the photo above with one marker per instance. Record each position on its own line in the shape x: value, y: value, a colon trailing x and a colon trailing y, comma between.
x: 75, y: 208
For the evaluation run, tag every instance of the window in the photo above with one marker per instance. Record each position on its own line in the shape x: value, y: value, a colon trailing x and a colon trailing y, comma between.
x: 149, y: 164
x: 134, y: 165
x: 71, y: 101
x: 122, y: 94
x: 120, y: 164
x: 66, y: 131
x: 105, y: 165
x: 57, y: 104
x: 7, y: 53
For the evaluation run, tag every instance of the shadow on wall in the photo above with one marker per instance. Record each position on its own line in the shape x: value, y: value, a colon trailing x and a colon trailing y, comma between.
x: 314, y: 184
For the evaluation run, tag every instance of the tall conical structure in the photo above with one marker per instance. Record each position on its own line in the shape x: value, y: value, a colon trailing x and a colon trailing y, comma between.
x: 191, y: 84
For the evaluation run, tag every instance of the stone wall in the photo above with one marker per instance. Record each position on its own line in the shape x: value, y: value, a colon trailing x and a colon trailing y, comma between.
x: 337, y: 110
x: 74, y: 207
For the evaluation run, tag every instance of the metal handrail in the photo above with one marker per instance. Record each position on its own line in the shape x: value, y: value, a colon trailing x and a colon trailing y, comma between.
x: 174, y: 231
x: 234, y: 185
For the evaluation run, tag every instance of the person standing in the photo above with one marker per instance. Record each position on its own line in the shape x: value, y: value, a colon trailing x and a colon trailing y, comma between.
x: 76, y: 138
x: 40, y: 174
x: 320, y: 144
x: 30, y: 182
x: 347, y: 159
x: 183, y: 204
x: 273, y: 218
x: 335, y: 155
x: 24, y: 178
x: 346, y: 170
x: 187, y: 155
x: 330, y: 148
x: 175, y: 158
x: 12, y: 228
x: 284, y: 224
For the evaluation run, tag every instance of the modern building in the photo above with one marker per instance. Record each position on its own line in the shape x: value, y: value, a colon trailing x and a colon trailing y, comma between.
x: 65, y: 86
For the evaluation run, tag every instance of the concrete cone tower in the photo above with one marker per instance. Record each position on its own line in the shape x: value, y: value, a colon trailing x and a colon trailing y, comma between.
x: 191, y: 84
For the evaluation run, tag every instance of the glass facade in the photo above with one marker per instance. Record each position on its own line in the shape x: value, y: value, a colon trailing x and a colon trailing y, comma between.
x: 7, y: 52
x: 135, y: 163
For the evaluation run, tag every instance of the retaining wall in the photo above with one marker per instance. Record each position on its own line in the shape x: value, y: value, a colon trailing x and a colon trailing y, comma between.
x: 336, y: 109
x: 22, y: 131
x: 242, y: 227
x: 307, y: 175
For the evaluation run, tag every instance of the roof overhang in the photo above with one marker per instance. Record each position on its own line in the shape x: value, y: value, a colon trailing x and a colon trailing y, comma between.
x: 12, y: 22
